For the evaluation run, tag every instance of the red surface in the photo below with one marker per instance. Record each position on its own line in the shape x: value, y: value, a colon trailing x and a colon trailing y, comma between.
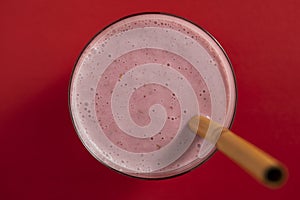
x: 41, y: 155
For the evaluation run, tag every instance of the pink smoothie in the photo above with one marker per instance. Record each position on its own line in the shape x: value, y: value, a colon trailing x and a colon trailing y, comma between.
x: 137, y: 84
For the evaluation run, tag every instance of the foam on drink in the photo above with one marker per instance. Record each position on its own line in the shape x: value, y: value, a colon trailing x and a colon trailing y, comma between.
x: 137, y: 84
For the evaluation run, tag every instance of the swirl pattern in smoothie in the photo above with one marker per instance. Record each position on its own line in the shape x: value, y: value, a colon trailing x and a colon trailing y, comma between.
x: 137, y: 84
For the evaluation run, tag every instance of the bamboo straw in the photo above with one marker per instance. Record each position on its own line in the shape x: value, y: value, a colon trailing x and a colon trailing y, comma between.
x: 253, y: 160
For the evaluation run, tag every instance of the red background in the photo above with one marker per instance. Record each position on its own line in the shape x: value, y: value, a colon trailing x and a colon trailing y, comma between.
x: 41, y: 155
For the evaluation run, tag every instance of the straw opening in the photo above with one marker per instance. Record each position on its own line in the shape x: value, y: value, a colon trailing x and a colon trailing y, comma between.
x: 274, y: 174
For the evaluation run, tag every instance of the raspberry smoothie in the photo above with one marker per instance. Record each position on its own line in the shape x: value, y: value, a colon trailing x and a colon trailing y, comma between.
x: 137, y: 84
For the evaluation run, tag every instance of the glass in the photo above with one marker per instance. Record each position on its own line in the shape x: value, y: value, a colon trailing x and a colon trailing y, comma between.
x: 136, y: 85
